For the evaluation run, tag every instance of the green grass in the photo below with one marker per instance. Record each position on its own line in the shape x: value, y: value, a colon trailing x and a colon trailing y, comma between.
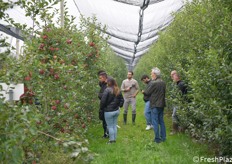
x: 135, y: 145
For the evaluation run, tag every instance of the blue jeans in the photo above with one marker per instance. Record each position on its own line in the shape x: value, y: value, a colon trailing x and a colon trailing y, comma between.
x: 157, y: 115
x: 147, y: 113
x: 112, y: 121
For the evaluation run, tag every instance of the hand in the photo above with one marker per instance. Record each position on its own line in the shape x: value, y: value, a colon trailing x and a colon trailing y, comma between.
x: 133, y: 96
x: 127, y: 89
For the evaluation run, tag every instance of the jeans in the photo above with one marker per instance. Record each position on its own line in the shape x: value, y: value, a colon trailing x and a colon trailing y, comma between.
x: 112, y: 121
x: 157, y: 115
x: 147, y: 113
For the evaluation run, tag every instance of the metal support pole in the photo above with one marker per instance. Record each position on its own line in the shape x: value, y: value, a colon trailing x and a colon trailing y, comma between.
x: 11, y: 96
x: 17, y: 48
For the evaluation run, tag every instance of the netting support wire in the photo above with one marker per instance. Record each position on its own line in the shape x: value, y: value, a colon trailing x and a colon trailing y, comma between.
x: 140, y: 30
x: 77, y: 7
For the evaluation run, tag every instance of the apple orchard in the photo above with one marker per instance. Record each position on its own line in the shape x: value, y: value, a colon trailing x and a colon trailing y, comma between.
x: 59, y: 73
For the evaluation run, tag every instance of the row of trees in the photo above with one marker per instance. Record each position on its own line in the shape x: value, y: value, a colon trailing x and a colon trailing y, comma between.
x: 198, y: 45
x: 59, y: 70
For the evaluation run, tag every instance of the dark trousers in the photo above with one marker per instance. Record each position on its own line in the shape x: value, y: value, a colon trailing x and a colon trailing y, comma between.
x: 104, y: 125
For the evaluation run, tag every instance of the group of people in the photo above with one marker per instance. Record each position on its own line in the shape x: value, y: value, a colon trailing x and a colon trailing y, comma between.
x: 112, y: 98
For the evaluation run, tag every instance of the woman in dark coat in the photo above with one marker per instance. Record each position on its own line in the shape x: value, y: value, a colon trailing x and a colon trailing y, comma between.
x: 111, y: 102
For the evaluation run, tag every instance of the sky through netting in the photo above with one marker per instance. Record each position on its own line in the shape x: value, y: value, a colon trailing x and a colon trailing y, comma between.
x: 132, y: 25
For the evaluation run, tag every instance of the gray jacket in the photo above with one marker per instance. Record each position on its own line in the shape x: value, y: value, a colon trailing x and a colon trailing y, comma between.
x: 156, y: 91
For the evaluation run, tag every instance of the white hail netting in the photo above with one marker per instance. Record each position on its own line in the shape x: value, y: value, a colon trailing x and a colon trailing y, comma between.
x: 131, y: 24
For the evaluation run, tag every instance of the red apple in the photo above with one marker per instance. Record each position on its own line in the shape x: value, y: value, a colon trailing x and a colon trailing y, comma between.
x: 62, y: 130
x: 52, y: 48
x: 52, y: 71
x: 56, y: 76
x: 76, y: 116
x: 69, y: 41
x: 57, y: 101
x: 27, y: 78
x: 30, y: 101
x: 42, y: 45
x: 56, y: 49
x: 91, y: 44
x: 83, y: 126
x: 44, y: 36
x: 54, y: 107
x: 41, y: 71
x: 89, y: 54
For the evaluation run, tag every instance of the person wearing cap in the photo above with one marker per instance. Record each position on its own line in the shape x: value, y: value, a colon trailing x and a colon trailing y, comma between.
x: 157, y: 91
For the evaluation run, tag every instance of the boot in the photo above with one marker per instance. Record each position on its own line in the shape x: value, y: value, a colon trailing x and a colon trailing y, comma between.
x: 133, y: 118
x: 124, y: 118
x: 174, y: 128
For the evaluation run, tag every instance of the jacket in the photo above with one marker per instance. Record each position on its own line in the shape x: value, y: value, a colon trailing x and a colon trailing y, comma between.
x: 145, y: 96
x: 110, y: 102
x: 156, y: 91
x: 103, y: 86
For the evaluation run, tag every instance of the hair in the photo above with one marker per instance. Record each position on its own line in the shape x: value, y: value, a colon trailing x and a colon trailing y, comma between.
x: 100, y: 72
x: 112, y: 83
x: 131, y: 72
x: 177, y: 74
x: 144, y: 77
x: 156, y: 71
x: 103, y: 74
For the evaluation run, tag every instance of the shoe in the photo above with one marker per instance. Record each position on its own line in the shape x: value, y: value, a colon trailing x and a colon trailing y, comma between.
x: 172, y: 133
x: 105, y: 136
x: 158, y: 142
x: 148, y: 127
x: 111, y: 142
x: 118, y: 127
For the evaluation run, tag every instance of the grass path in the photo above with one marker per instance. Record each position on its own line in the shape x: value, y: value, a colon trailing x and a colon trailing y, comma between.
x: 135, y: 145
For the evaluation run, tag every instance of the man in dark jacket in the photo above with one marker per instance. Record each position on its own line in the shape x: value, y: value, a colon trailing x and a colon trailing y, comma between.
x: 147, y: 111
x: 183, y: 91
x: 103, y: 85
x: 156, y: 91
